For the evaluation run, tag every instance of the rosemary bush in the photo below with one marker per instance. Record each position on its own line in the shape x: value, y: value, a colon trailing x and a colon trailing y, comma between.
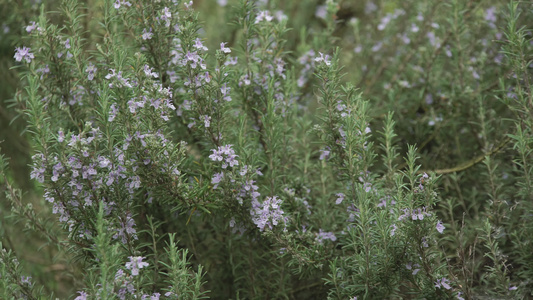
x: 378, y: 150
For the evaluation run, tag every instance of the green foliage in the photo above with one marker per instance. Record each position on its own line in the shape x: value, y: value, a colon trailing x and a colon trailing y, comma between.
x: 275, y: 149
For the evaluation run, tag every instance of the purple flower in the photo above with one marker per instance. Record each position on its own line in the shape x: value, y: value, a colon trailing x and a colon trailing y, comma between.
x: 440, y: 227
x: 321, y: 12
x: 225, y: 92
x: 25, y: 280
x: 113, y: 112
x: 226, y: 155
x: 340, y: 197
x: 207, y: 121
x: 147, y: 34
x: 126, y: 230
x: 443, y: 283
x: 31, y: 27
x: 323, y: 58
x: 490, y: 15
x: 199, y: 45
x: 263, y: 16
x: 393, y: 230
x: 415, y: 267
x: 216, y: 179
x: 166, y: 16
x: 118, y: 3
x: 82, y: 296
x: 91, y: 70
x: 23, y: 53
x: 322, y: 235
x: 268, y: 213
x: 224, y: 48
x: 324, y: 153
x: 135, y: 264
x: 148, y: 71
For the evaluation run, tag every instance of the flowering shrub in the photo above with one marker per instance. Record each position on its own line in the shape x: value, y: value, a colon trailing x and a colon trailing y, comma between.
x: 185, y: 164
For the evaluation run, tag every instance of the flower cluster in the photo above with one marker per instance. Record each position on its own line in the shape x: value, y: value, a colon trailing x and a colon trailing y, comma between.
x: 415, y: 214
x: 268, y: 213
x: 226, y: 155
x: 23, y: 53
x: 322, y: 235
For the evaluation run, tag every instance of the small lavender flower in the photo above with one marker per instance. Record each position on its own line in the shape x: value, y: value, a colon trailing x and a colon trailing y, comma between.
x: 216, y: 179
x: 23, y: 53
x: 323, y: 58
x: 322, y: 235
x: 135, y: 264
x: 31, y: 27
x: 113, y: 112
x: 199, y: 45
x: 207, y: 121
x: 119, y: 3
x: 91, y: 70
x: 166, y: 16
x: 415, y: 267
x: 440, y: 227
x: 26, y: 280
x: 321, y: 12
x: 147, y: 34
x: 83, y: 296
x: 225, y: 89
x: 340, y: 197
x: 443, y: 283
x: 324, y: 153
x: 393, y: 230
x: 263, y: 16
x: 224, y: 49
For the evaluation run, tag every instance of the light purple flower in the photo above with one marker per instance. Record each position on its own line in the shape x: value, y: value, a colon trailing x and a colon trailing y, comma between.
x: 166, y: 16
x: 443, y: 283
x: 23, y: 53
x: 393, y: 230
x: 118, y: 3
x: 340, y: 197
x: 224, y: 48
x: 199, y: 45
x: 31, y: 27
x: 321, y: 12
x: 415, y: 267
x: 147, y: 34
x: 323, y: 58
x: 91, y: 70
x: 83, y: 296
x: 440, y: 227
x: 216, y: 179
x: 135, y: 264
x: 324, y: 153
x: 322, y: 235
x: 263, y: 16
x: 207, y: 121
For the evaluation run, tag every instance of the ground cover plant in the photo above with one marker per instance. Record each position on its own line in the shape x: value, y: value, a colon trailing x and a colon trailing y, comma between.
x: 271, y: 150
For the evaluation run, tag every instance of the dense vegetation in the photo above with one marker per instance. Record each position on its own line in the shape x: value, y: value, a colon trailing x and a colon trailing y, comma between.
x: 266, y: 149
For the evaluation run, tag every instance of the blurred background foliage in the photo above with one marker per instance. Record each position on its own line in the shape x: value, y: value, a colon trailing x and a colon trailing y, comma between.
x: 436, y: 64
